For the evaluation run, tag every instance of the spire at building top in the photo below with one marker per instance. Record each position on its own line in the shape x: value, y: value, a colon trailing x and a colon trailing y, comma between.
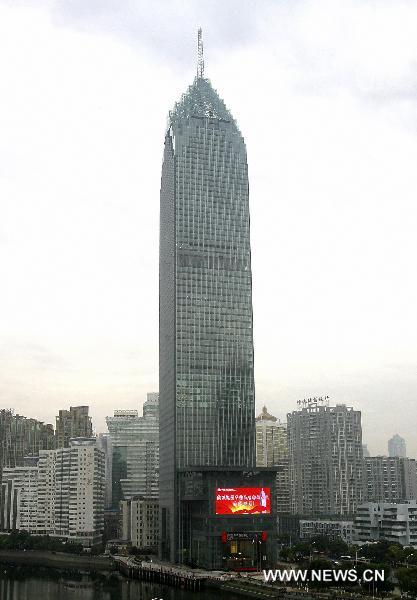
x: 200, y: 56
x: 200, y: 100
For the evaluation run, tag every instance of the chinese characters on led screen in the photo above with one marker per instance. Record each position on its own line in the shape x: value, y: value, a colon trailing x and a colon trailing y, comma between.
x: 243, y: 501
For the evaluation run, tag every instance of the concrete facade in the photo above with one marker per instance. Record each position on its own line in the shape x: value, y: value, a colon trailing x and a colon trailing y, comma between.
x: 19, y: 499
x: 395, y: 523
x: 332, y: 529
x: 62, y: 496
x: 390, y: 479
x: 272, y: 451
x: 72, y: 423
x: 325, y: 460
x: 139, y: 518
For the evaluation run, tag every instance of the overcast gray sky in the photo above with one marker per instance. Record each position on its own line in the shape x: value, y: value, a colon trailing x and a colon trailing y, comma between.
x: 325, y: 95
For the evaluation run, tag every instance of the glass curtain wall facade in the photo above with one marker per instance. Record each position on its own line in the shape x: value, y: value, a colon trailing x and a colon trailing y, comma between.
x: 135, y: 451
x: 206, y: 340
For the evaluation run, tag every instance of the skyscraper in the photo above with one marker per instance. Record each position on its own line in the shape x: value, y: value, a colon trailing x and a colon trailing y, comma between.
x: 135, y: 451
x: 397, y: 446
x: 206, y: 373
x: 326, y: 461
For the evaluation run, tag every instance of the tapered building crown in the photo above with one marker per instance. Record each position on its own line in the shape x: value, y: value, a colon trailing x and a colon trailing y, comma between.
x: 202, y: 101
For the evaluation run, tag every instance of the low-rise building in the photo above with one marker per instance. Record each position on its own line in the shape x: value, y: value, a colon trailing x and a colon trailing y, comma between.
x: 139, y: 521
x: 310, y: 528
x: 395, y: 523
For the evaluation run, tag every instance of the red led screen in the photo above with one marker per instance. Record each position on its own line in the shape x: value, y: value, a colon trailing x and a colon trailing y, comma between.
x: 243, y: 501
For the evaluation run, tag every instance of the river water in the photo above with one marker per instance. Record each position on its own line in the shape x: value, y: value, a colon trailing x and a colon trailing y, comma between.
x: 29, y: 583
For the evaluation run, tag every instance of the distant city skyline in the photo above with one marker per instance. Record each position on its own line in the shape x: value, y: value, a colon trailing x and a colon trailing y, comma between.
x: 325, y: 96
x: 397, y: 446
x: 141, y: 406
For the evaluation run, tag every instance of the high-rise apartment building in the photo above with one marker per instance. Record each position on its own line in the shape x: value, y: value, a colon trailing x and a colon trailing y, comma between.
x: 79, y: 492
x: 206, y: 376
x: 272, y: 451
x: 135, y: 451
x: 72, y: 423
x: 397, y: 446
x: 390, y: 479
x: 63, y: 495
x: 47, y: 491
x: 326, y: 462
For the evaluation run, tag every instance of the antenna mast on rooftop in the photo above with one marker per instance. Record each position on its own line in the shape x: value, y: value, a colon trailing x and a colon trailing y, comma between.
x: 200, y: 56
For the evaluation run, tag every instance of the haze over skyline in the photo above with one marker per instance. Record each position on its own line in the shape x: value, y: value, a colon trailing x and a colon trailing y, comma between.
x: 325, y: 96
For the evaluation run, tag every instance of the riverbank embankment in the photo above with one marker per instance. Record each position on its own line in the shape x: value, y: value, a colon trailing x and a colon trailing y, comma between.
x: 59, y: 560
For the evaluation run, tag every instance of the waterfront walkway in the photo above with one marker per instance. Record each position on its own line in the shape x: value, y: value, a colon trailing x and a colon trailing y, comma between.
x: 252, y: 586
x: 179, y: 576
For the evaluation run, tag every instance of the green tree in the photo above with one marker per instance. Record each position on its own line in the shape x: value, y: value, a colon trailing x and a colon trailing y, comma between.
x: 376, y: 584
x: 22, y: 540
x: 319, y: 565
x: 333, y: 546
x: 410, y: 555
x: 395, y: 554
x: 375, y: 552
x: 287, y: 553
x: 407, y: 579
